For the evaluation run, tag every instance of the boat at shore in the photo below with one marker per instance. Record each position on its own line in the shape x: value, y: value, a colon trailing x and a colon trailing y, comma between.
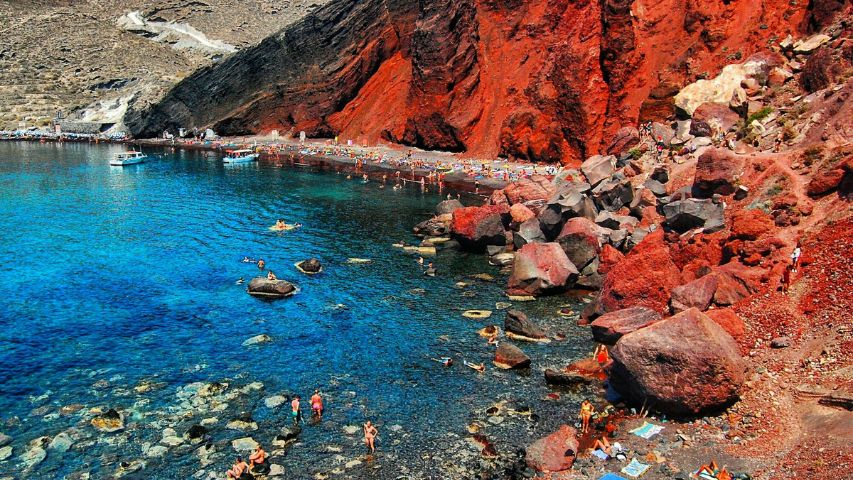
x: 128, y: 158
x: 240, y: 156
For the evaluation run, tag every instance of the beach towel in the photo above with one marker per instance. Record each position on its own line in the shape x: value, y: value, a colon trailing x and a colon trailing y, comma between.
x: 647, y: 430
x: 635, y: 468
x: 600, y: 454
x: 611, y: 476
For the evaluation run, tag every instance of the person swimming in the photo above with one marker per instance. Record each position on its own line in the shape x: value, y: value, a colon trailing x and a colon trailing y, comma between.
x: 480, y: 368
x: 239, y: 281
x: 261, y: 264
x: 279, y: 224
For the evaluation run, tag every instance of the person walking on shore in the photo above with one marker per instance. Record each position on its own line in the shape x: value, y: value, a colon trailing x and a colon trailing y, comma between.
x: 370, y: 433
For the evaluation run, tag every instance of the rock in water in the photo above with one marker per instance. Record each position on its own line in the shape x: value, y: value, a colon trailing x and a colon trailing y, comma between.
x: 508, y: 356
x: 447, y: 206
x: 610, y: 327
x: 564, y: 378
x: 195, y: 432
x: 477, y: 227
x: 517, y: 323
x: 541, y: 268
x: 264, y: 287
x: 257, y: 339
x: 5, y: 439
x: 245, y: 444
x: 109, y: 421
x: 683, y: 365
x: 311, y: 265
x: 554, y: 453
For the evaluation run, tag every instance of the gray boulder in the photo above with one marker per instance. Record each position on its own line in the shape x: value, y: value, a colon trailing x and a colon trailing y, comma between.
x: 517, y: 323
x: 684, y: 215
x: 598, y: 168
x: 264, y: 287
x: 613, y: 194
x: 528, y: 232
x: 447, y: 206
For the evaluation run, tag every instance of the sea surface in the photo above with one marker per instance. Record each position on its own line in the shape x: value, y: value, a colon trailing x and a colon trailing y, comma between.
x: 118, y: 289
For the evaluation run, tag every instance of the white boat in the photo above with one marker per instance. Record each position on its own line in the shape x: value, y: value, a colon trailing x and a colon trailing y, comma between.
x: 240, y: 156
x: 128, y: 158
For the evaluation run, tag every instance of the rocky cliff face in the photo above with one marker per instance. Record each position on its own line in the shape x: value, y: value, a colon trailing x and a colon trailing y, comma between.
x: 544, y: 80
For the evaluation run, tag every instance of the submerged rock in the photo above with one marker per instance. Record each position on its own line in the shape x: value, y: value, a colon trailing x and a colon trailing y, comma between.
x: 257, y: 339
x: 195, y: 432
x: 109, y: 421
x: 447, y: 206
x: 245, y: 444
x: 683, y: 365
x: 5, y: 452
x: 5, y: 439
x: 554, y: 453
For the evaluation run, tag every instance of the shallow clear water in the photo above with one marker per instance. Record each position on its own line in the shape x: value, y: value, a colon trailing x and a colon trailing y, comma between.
x: 114, y: 276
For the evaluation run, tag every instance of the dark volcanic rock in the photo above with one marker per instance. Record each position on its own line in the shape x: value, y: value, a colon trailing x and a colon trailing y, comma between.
x: 447, y: 206
x: 312, y: 265
x: 528, y: 232
x: 582, y: 239
x: 684, y: 365
x: 508, y: 356
x: 610, y: 327
x: 565, y: 379
x: 685, y: 215
x: 517, y: 323
x: 263, y: 287
x: 717, y: 171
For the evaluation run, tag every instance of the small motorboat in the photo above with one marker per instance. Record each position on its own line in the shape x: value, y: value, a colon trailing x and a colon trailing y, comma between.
x: 128, y: 158
x: 240, y: 156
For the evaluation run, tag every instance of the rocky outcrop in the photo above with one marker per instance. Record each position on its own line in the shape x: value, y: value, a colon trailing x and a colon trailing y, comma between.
x: 683, y: 365
x: 477, y: 227
x: 541, y: 268
x: 554, y: 453
x: 610, y: 327
x: 542, y: 80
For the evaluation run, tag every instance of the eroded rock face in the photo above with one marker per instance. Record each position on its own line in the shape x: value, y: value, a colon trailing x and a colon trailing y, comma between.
x: 541, y: 268
x: 544, y: 80
x: 683, y: 365
x: 554, y: 453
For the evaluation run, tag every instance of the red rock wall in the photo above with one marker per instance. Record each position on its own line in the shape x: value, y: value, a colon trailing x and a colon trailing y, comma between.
x: 544, y: 80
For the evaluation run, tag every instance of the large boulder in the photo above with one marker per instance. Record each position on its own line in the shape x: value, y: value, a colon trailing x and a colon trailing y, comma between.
x: 736, y: 281
x: 683, y: 365
x: 517, y: 324
x: 312, y: 265
x: 728, y: 320
x: 528, y: 232
x: 264, y: 287
x: 535, y: 189
x: 598, y: 168
x: 696, y: 294
x: 541, y: 268
x: 437, y: 226
x: 508, y: 356
x: 554, y: 453
x: 477, y: 227
x: 613, y: 194
x: 645, y: 277
x: 717, y: 117
x: 610, y: 327
x: 448, y: 206
x: 692, y: 213
x: 724, y: 86
x: 571, y: 200
x: 718, y: 170
x: 520, y: 213
x: 625, y: 139
x: 582, y: 239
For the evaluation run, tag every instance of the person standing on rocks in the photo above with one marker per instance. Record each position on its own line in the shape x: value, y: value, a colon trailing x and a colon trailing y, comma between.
x: 317, y: 404
x: 370, y: 433
x: 296, y: 412
x: 586, y: 414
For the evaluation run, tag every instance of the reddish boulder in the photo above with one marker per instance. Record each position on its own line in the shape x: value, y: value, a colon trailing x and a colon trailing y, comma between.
x: 508, y: 356
x: 825, y: 182
x: 610, y: 327
x: 608, y: 257
x: 476, y: 227
x: 624, y: 139
x: 498, y: 197
x: 729, y: 320
x: 535, y: 188
x: 521, y: 213
x: 541, y: 268
x: 751, y: 224
x: 554, y: 453
x: 696, y: 294
x: 717, y: 171
x: 717, y: 116
x: 645, y: 277
x: 683, y: 365
x: 735, y: 282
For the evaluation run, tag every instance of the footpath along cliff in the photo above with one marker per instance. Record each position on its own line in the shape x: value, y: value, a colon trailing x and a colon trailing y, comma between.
x: 541, y: 80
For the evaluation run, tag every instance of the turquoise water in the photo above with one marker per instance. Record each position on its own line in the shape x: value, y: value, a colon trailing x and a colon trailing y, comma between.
x: 112, y: 278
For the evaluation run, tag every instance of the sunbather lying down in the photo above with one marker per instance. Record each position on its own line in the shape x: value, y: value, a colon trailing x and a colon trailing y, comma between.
x: 603, y: 445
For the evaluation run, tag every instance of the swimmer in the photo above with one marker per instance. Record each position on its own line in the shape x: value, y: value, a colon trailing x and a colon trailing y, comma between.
x: 364, y: 178
x: 261, y: 264
x: 349, y: 177
x: 271, y: 276
x: 279, y: 224
x: 247, y: 260
x: 239, y: 281
x: 421, y: 261
x: 480, y: 368
x: 493, y: 339
x: 446, y: 361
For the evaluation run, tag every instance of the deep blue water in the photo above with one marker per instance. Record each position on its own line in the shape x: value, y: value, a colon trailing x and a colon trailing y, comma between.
x: 114, y: 276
